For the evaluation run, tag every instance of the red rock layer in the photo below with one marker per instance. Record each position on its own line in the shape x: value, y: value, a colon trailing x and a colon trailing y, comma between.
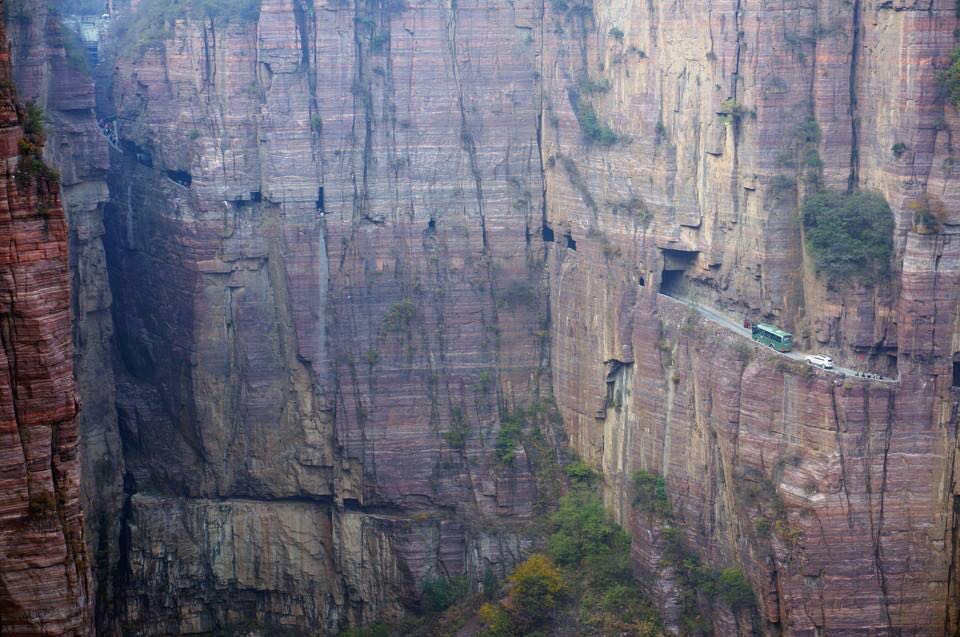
x: 44, y: 580
x: 78, y: 150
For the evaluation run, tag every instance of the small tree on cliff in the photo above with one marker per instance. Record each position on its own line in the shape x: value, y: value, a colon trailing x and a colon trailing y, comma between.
x: 850, y: 236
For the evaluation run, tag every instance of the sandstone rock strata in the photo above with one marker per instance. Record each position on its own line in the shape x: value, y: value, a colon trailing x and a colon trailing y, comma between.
x: 364, y: 224
x: 44, y: 577
x: 63, y: 86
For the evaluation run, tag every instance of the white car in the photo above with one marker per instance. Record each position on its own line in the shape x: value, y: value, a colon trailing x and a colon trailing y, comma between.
x: 820, y: 360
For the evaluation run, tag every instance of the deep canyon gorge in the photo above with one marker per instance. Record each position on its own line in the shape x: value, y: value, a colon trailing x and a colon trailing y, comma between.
x: 306, y: 296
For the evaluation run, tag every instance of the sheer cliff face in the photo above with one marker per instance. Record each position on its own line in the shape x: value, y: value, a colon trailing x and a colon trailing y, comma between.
x: 76, y: 148
x: 44, y: 577
x: 856, y: 480
x: 341, y: 231
x: 350, y: 275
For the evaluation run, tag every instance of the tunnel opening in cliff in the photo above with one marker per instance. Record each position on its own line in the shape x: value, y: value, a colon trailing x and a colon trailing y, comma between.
x: 676, y: 271
x: 547, y: 234
x: 956, y: 372
x: 181, y: 177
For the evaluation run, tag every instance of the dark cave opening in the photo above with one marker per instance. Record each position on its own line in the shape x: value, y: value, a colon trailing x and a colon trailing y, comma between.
x: 956, y: 373
x: 547, y: 233
x: 676, y: 268
x: 570, y: 242
x: 320, y: 202
x: 181, y: 177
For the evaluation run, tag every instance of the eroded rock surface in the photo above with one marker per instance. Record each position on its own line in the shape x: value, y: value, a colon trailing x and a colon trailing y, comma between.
x: 345, y: 239
x: 45, y: 584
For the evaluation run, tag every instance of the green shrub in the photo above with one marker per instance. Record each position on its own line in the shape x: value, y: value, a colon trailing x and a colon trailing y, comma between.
x: 33, y: 120
x: 732, y: 111
x: 400, y: 316
x: 593, y: 130
x: 898, y: 149
x: 496, y: 620
x: 650, y: 493
x: 508, y: 439
x: 850, y: 236
x: 442, y: 593
x: 459, y: 430
x: 517, y: 294
x: 586, y: 538
x: 734, y: 589
x: 580, y: 473
x: 536, y: 586
x: 949, y: 78
x: 592, y: 87
x: 616, y: 33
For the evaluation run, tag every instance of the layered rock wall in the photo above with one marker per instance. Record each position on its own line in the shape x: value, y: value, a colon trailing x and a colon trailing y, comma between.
x: 62, y: 84
x: 334, y: 208
x: 45, y: 584
x: 346, y: 239
x: 857, y: 478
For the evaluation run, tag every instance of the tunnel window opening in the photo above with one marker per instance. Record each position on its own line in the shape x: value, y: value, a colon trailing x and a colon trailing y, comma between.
x: 676, y: 269
x: 570, y: 242
x: 547, y: 233
x: 892, y: 364
x: 255, y: 196
x: 320, y: 202
x: 181, y: 177
x: 642, y: 281
x: 956, y: 373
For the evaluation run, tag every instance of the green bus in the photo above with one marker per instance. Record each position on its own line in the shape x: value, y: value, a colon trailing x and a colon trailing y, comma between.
x: 773, y: 336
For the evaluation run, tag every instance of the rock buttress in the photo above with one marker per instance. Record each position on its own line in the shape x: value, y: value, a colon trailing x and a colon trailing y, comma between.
x: 44, y: 578
x: 63, y: 86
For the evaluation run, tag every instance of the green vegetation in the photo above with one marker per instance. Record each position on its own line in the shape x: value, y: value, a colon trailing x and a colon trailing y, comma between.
x: 593, y: 87
x: 373, y: 630
x: 586, y: 565
x: 459, y: 430
x: 508, y: 439
x: 898, y: 149
x: 734, y: 589
x: 701, y: 585
x: 442, y: 593
x: 517, y: 294
x: 593, y: 130
x: 650, y: 493
x: 584, y: 536
x: 33, y: 122
x: 732, y: 111
x: 850, y: 236
x: 616, y: 33
x: 949, y: 78
x: 74, y: 49
x: 30, y: 164
x: 928, y: 214
x: 536, y: 586
x: 581, y: 474
x: 153, y: 21
x: 400, y: 316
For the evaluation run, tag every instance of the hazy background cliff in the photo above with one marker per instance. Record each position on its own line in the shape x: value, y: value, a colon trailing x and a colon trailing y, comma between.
x: 344, y: 241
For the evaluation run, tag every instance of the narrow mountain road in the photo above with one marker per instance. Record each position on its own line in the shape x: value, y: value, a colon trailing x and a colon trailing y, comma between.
x: 726, y: 321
